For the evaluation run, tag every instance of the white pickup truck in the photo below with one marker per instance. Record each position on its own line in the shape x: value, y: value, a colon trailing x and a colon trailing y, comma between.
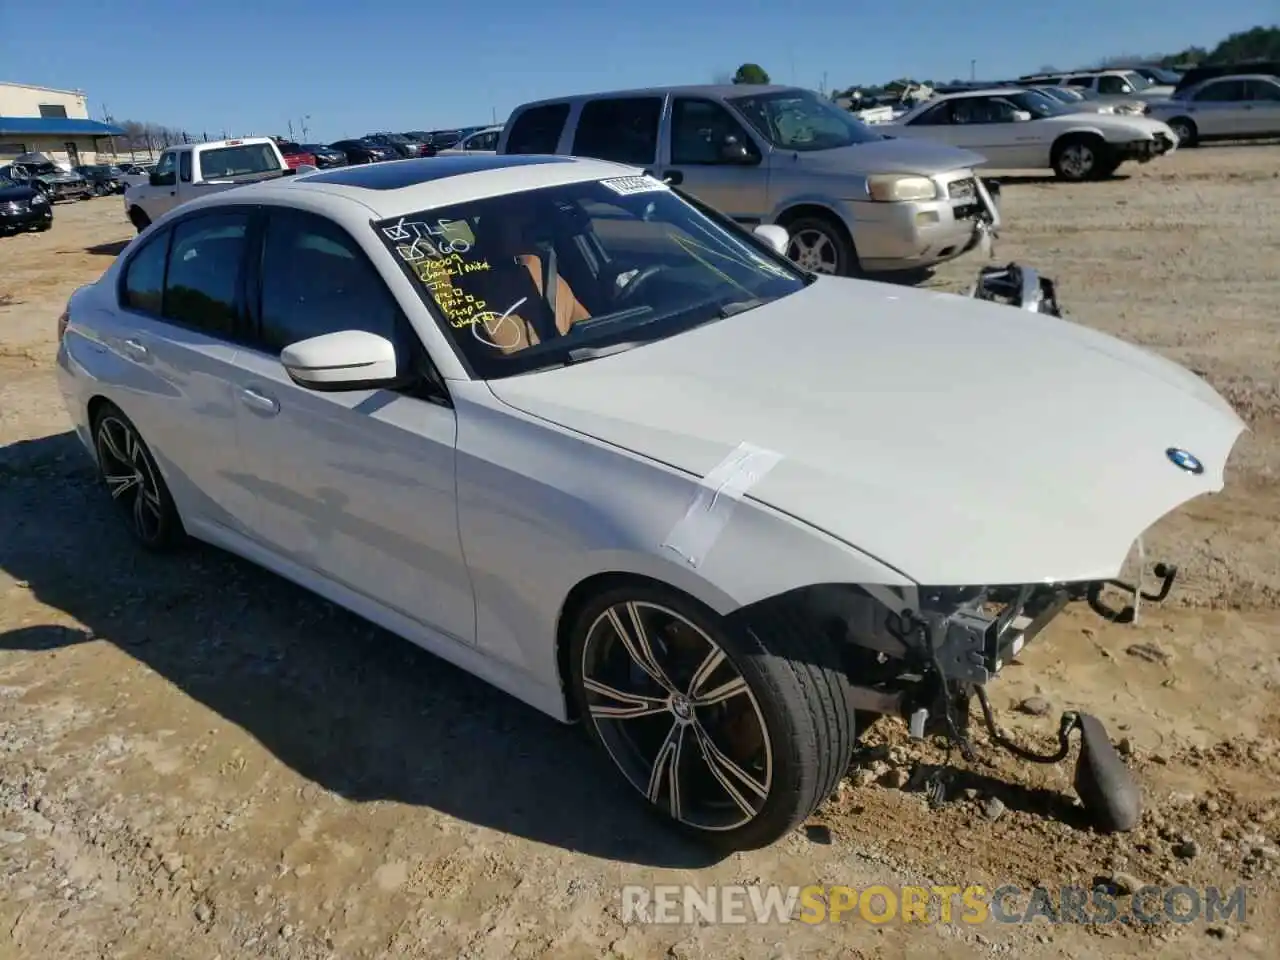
x: 191, y: 170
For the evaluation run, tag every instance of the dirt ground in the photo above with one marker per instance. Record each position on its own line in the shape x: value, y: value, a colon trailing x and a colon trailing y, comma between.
x: 198, y: 760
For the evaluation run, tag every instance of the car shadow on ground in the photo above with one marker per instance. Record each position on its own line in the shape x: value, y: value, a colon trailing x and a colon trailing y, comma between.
x: 1028, y: 179
x: 347, y: 705
x: 112, y: 249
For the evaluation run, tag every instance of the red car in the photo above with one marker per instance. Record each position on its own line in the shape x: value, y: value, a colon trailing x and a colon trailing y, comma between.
x: 294, y: 155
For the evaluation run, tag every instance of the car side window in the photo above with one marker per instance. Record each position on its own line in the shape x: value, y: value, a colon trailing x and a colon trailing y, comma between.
x: 1113, y: 85
x: 184, y: 167
x: 1225, y: 91
x: 167, y: 162
x: 143, y: 286
x: 1080, y: 81
x: 982, y: 110
x: 936, y: 116
x: 537, y: 130
x: 699, y: 131
x: 622, y: 129
x: 205, y: 262
x: 1262, y: 90
x: 316, y: 280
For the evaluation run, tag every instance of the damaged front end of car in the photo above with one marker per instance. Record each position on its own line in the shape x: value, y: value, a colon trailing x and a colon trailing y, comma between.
x: 925, y: 654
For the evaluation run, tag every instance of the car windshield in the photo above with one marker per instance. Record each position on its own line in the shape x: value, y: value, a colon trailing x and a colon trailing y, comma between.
x: 801, y: 120
x: 1062, y: 94
x: 1036, y: 103
x: 1136, y: 80
x: 627, y: 261
x: 240, y: 161
x: 42, y: 169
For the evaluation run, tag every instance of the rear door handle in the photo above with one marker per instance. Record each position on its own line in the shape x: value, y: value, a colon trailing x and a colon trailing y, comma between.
x: 260, y: 402
x: 135, y: 349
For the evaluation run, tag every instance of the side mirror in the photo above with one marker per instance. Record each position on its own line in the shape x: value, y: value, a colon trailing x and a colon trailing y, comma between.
x: 775, y: 236
x: 1021, y: 116
x: 163, y: 179
x: 345, y: 360
x: 733, y: 150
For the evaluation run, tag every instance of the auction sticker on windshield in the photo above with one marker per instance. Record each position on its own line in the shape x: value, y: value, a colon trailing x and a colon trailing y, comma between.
x: 625, y: 186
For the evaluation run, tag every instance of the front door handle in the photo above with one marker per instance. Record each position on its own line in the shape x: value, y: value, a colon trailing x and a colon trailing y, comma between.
x: 135, y: 349
x: 259, y: 401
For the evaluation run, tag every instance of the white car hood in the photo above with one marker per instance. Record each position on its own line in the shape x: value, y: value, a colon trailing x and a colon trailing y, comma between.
x: 958, y: 441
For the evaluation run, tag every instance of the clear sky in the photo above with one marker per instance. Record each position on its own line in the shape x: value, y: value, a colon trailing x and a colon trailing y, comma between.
x: 251, y: 66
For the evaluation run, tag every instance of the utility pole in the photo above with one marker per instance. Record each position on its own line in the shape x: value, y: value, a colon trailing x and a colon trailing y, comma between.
x: 973, y: 70
x: 493, y: 114
x: 305, y: 118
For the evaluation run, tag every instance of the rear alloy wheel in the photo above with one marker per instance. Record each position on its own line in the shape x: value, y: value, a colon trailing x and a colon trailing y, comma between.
x: 1185, y: 130
x: 734, y: 743
x: 134, y: 481
x: 819, y: 246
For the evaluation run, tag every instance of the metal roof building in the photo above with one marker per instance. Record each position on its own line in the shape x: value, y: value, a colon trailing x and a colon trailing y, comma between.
x: 53, y: 122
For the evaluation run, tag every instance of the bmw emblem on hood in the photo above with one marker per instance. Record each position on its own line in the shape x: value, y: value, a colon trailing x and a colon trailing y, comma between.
x: 1184, y: 460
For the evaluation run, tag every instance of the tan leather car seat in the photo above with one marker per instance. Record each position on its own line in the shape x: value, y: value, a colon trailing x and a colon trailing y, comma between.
x: 518, y: 331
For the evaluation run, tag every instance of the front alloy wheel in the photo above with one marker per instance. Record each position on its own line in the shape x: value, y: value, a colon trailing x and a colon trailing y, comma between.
x: 676, y: 716
x: 734, y: 731
x: 134, y: 481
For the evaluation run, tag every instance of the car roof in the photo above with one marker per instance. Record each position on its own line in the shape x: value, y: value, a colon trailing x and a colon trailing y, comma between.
x: 984, y: 92
x: 1237, y: 76
x: 693, y: 90
x: 398, y: 187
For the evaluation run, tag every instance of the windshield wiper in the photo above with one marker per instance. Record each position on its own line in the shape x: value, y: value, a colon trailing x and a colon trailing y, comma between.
x: 742, y: 306
x: 579, y: 354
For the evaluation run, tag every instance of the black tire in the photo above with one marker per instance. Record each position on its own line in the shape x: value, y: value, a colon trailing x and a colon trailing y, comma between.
x: 139, y: 218
x: 135, y: 483
x: 1077, y: 157
x: 1187, y: 132
x: 44, y: 226
x: 790, y: 704
x: 812, y: 238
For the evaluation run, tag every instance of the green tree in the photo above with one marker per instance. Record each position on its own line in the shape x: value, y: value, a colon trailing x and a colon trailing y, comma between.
x: 1260, y: 43
x: 751, y: 73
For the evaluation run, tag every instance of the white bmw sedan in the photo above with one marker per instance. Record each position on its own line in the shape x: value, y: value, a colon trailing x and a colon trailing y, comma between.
x: 592, y: 441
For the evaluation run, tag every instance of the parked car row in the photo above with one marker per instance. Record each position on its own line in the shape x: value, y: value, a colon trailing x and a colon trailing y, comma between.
x: 37, y: 171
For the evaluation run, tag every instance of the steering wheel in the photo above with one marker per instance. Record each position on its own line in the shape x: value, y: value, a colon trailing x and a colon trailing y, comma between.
x: 639, y: 280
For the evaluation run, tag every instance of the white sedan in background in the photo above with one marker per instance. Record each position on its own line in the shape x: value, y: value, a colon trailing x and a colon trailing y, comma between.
x: 1023, y: 129
x: 617, y: 456
x: 482, y: 141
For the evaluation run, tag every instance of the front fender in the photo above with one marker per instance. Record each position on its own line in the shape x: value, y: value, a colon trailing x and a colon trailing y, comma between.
x: 824, y: 201
x: 542, y: 508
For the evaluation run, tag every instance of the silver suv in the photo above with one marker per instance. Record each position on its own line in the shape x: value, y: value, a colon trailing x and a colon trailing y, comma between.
x: 852, y: 199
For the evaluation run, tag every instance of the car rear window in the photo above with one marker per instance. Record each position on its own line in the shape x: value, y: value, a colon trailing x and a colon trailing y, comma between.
x: 238, y: 161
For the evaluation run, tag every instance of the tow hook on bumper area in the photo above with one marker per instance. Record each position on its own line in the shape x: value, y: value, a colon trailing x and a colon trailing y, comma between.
x: 964, y: 649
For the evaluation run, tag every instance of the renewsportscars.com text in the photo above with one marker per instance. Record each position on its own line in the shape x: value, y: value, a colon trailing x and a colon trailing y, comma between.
x: 972, y: 904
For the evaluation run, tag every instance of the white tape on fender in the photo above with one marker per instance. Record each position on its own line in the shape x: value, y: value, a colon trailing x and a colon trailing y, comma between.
x: 697, y: 531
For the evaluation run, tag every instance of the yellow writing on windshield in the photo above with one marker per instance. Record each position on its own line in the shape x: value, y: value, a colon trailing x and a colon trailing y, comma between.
x: 437, y: 274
